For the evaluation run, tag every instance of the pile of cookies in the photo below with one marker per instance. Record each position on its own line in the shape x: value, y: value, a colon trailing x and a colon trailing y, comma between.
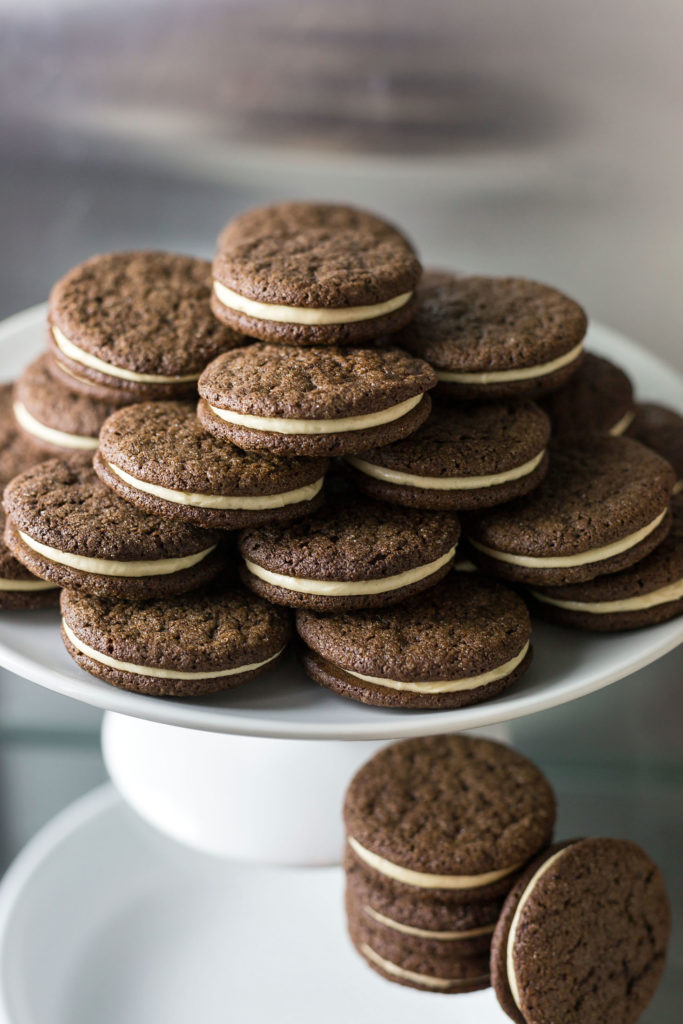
x: 312, y: 423
x: 452, y: 883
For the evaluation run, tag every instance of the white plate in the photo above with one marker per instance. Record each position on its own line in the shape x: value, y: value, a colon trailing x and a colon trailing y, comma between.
x: 103, y: 920
x: 285, y: 703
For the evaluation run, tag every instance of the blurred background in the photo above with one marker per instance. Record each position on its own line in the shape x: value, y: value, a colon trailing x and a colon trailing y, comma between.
x: 530, y: 138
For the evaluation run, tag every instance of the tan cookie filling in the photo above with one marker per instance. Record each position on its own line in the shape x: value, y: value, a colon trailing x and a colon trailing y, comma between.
x: 447, y: 686
x: 583, y: 558
x: 512, y: 978
x: 678, y: 487
x: 423, y: 880
x: 343, y: 424
x: 71, y: 351
x: 504, y: 376
x: 623, y: 424
x: 340, y: 588
x: 219, y: 501
x: 664, y: 595
x: 305, y: 314
x: 427, y: 980
x: 106, y: 567
x: 422, y: 933
x: 158, y: 673
x: 448, y: 483
x: 44, y: 433
x: 26, y: 585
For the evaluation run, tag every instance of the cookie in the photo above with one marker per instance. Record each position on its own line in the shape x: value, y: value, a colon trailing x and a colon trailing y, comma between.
x: 16, y: 452
x: 662, y: 430
x: 314, y: 401
x: 602, y: 507
x: 642, y: 595
x: 582, y: 936
x: 66, y: 527
x: 54, y: 418
x: 459, y: 643
x: 313, y: 274
x: 495, y: 337
x: 213, y: 639
x: 598, y: 399
x: 350, y: 554
x: 138, y: 323
x: 19, y: 589
x: 468, y: 456
x: 156, y: 455
x: 448, y: 816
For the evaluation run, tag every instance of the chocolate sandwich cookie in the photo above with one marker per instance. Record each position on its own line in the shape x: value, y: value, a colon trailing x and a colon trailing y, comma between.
x: 350, y: 554
x: 448, y: 816
x: 598, y: 399
x: 408, y: 962
x: 66, y: 527
x: 459, y: 643
x: 16, y: 451
x: 495, y: 337
x: 313, y: 274
x: 602, y: 507
x: 213, y: 639
x: 662, y: 430
x: 19, y: 589
x: 314, y: 401
x: 470, y: 456
x: 137, y: 323
x: 582, y: 936
x: 648, y: 592
x: 156, y: 455
x: 54, y: 418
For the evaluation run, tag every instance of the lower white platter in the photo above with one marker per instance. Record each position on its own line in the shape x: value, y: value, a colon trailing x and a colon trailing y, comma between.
x: 284, y: 703
x: 101, y: 919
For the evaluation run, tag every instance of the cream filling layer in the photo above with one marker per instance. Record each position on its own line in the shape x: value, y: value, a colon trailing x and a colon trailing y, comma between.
x: 422, y: 880
x: 105, y: 567
x: 72, y: 351
x: 678, y: 487
x: 307, y: 315
x: 503, y: 376
x: 451, y: 685
x: 422, y: 933
x: 449, y: 483
x: 219, y: 501
x: 427, y: 980
x: 44, y: 433
x: 339, y: 588
x: 623, y: 424
x: 343, y: 424
x: 512, y: 934
x: 26, y: 585
x: 672, y: 592
x: 158, y: 673
x: 584, y: 558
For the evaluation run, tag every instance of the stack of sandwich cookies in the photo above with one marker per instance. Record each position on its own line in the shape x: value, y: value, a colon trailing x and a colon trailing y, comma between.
x: 349, y: 555
x: 438, y: 829
x: 459, y: 643
x: 582, y: 935
x: 54, y: 418
x: 470, y: 456
x: 313, y: 274
x: 490, y: 337
x: 602, y: 507
x: 646, y: 593
x: 131, y: 326
x: 598, y: 399
x: 213, y: 639
x: 315, y: 401
x: 157, y: 456
x: 67, y: 528
x: 662, y: 430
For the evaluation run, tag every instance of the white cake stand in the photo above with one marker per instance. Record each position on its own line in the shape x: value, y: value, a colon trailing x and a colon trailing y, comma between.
x: 237, y: 774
